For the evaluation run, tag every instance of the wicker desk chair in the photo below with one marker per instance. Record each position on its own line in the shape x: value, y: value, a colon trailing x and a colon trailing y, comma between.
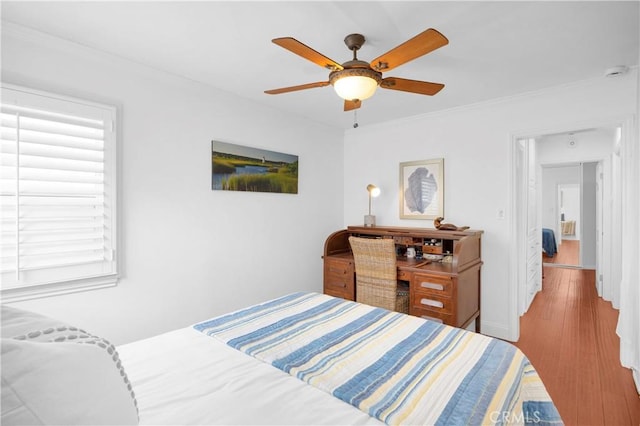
x: 376, y: 274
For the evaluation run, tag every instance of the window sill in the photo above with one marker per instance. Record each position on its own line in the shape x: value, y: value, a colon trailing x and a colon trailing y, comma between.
x: 18, y: 294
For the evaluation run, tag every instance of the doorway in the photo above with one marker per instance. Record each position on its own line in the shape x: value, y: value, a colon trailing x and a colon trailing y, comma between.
x: 561, y: 217
x: 570, y: 213
x: 592, y: 152
x: 568, y: 225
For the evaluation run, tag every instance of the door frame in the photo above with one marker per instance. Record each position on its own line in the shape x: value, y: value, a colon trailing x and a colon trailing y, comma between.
x: 600, y: 222
x: 517, y: 259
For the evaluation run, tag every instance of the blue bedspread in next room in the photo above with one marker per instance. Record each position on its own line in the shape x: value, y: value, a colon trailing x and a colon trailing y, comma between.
x: 549, y: 242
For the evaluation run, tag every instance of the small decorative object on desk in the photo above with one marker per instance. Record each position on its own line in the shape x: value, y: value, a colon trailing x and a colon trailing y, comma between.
x: 433, y: 257
x: 437, y: 223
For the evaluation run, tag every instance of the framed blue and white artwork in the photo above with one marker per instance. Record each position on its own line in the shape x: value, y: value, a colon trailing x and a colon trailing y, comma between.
x: 422, y: 189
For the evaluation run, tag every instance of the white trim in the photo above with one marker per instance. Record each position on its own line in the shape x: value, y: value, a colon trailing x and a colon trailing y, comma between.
x: 55, y: 96
x: 55, y: 289
x: 497, y: 330
x: 513, y: 326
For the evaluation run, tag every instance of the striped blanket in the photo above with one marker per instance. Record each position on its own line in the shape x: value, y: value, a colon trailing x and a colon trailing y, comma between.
x: 397, y: 368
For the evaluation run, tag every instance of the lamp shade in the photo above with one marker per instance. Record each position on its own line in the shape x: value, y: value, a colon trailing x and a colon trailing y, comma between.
x: 355, y: 83
x: 355, y: 87
x: 373, y: 190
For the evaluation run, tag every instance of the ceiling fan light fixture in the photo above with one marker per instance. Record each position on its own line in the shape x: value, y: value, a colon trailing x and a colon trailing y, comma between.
x: 355, y: 83
x: 356, y: 80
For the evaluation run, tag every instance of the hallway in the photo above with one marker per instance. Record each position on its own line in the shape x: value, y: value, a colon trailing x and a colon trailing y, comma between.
x: 569, y: 336
x: 568, y: 253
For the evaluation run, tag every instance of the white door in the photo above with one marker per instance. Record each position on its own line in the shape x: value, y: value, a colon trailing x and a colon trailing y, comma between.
x: 530, y: 247
x: 520, y: 219
x: 534, y: 237
x: 599, y: 226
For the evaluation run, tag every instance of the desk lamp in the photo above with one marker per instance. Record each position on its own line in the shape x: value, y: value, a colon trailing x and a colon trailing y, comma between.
x: 374, y: 191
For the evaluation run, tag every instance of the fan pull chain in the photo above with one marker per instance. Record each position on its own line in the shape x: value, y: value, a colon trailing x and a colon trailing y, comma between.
x: 355, y: 118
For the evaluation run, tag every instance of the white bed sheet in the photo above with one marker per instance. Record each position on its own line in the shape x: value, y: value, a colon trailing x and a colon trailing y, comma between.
x: 185, y: 377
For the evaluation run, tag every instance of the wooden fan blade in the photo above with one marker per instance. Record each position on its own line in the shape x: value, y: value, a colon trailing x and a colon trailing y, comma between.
x: 413, y: 86
x: 296, y: 88
x: 351, y: 105
x: 300, y: 49
x: 425, y: 42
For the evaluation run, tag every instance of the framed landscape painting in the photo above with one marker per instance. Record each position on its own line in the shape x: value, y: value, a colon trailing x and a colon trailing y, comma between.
x: 242, y: 168
x: 422, y: 189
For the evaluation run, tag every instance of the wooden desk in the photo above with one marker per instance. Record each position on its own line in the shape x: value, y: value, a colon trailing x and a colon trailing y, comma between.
x: 445, y: 292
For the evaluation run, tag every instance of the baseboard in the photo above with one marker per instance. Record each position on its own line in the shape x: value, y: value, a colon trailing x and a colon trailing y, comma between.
x: 564, y: 266
x: 496, y: 330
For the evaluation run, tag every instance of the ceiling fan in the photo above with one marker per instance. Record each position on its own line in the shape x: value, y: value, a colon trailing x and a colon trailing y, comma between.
x: 357, y: 80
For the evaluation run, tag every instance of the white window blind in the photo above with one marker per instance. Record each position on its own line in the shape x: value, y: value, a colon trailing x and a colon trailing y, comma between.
x: 58, y: 194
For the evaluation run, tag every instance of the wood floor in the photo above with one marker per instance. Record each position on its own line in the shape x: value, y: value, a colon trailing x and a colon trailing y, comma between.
x: 569, y: 336
x: 568, y: 253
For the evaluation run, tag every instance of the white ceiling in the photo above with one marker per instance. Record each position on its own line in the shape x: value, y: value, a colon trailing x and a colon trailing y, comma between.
x: 495, y: 49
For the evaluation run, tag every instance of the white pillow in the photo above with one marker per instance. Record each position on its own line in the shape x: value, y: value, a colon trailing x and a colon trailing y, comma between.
x: 57, y: 374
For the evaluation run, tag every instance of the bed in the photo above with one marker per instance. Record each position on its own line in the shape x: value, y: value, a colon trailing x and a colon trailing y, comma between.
x: 549, y: 246
x: 309, y: 358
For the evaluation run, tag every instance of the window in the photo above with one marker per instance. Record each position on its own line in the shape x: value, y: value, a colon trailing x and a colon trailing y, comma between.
x: 57, y: 194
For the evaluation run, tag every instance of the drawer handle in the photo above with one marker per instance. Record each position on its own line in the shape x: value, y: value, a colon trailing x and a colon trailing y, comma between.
x: 434, y: 303
x: 432, y: 286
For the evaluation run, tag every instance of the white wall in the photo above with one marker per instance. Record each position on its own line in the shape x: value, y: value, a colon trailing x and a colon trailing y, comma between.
x: 591, y: 145
x: 475, y: 144
x: 188, y: 253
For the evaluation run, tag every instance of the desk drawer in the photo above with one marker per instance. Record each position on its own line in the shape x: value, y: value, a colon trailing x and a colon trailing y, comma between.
x: 343, y: 291
x: 433, y: 315
x: 426, y: 285
x: 404, y: 275
x: 432, y: 249
x: 339, y: 278
x: 403, y: 240
x: 442, y: 305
